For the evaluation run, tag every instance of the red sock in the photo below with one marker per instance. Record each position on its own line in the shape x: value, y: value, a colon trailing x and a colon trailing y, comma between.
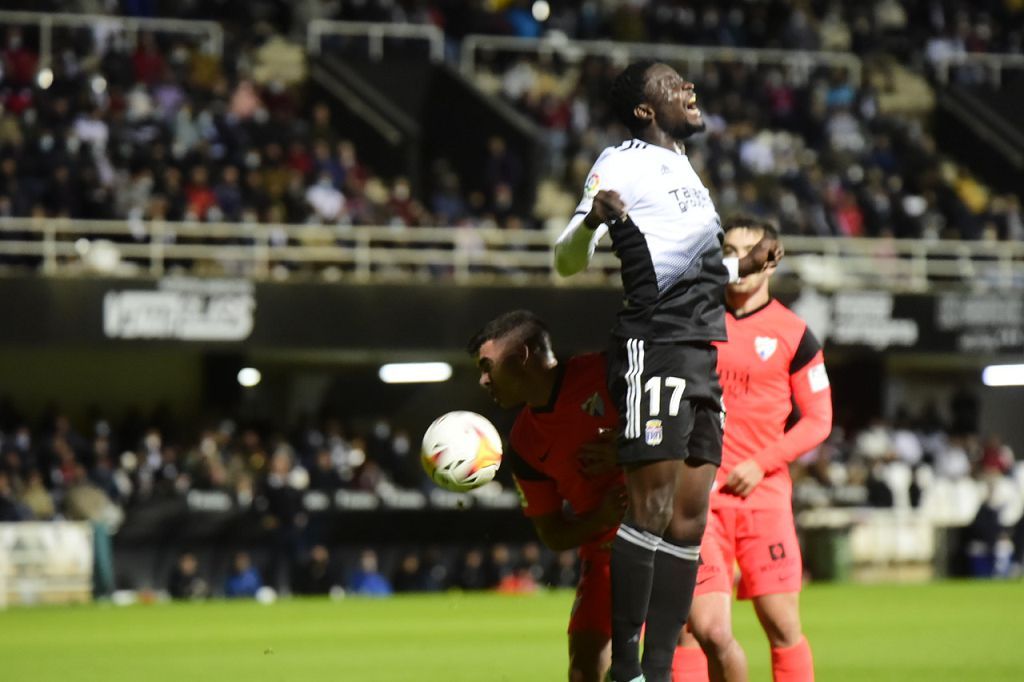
x: 689, y: 665
x: 794, y: 663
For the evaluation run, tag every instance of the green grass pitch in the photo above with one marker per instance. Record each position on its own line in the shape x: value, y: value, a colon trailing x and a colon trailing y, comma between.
x: 945, y: 631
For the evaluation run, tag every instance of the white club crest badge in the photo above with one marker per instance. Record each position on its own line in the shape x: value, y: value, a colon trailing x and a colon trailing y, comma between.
x: 653, y: 432
x: 765, y: 346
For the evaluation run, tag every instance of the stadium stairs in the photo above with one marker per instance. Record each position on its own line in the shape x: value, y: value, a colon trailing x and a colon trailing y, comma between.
x: 983, y: 129
x: 416, y: 113
x: 386, y: 133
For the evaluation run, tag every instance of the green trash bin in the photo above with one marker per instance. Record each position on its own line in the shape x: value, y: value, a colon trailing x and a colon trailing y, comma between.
x: 827, y: 553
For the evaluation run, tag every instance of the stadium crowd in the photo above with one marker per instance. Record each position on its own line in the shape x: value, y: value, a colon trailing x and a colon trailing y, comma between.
x: 945, y: 468
x: 986, y: 26
x: 811, y: 148
x: 162, y: 130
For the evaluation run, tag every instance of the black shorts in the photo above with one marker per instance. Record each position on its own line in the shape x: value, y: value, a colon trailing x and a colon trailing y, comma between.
x: 669, y: 401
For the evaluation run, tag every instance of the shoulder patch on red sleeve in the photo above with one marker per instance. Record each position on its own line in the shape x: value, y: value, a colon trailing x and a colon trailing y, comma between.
x: 817, y: 378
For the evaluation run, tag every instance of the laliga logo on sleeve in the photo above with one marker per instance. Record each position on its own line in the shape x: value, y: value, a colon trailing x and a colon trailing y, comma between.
x: 593, y: 183
x: 765, y: 346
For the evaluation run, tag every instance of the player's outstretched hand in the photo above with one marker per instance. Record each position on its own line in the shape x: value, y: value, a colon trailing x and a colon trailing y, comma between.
x: 766, y: 254
x: 608, y: 206
x: 599, y: 456
x: 744, y: 478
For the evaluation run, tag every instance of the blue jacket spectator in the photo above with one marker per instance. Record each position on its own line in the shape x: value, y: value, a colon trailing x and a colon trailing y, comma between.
x: 367, y: 580
x: 245, y: 580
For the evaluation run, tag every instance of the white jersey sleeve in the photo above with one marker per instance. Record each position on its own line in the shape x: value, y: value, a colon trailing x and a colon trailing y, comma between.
x: 576, y: 245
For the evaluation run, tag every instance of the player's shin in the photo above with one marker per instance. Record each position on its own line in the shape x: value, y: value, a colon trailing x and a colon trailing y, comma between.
x: 689, y: 664
x: 633, y: 556
x: 675, y: 573
x: 794, y: 663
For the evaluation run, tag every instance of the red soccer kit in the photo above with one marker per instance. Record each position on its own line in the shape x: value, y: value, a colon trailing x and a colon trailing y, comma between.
x: 545, y: 443
x: 770, y: 366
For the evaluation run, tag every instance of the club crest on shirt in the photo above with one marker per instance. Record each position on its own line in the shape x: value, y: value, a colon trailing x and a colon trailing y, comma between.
x: 653, y: 432
x: 593, y: 405
x: 592, y: 185
x: 765, y: 346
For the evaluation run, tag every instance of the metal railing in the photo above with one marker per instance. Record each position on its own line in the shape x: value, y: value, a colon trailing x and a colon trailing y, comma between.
x: 375, y: 34
x: 465, y: 255
x: 621, y: 53
x: 992, y: 63
x: 210, y: 31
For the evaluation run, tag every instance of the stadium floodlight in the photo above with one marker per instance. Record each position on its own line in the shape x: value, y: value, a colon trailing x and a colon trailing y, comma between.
x: 249, y: 377
x: 1003, y: 375
x: 414, y: 372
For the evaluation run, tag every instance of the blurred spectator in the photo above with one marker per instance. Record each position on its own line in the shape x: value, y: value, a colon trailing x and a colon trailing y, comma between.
x: 244, y: 580
x: 410, y: 575
x: 36, y: 498
x: 564, y: 572
x: 471, y: 574
x: 10, y: 510
x: 499, y: 567
x: 85, y: 501
x: 315, y: 574
x: 367, y: 580
x: 996, y: 457
x: 185, y: 582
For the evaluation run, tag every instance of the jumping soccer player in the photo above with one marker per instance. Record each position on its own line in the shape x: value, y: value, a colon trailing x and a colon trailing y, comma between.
x: 770, y: 363
x: 661, y: 371
x: 561, y: 452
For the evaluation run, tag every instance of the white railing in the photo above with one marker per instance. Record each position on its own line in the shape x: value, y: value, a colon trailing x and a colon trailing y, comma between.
x: 210, y: 31
x: 992, y: 63
x: 467, y: 255
x: 375, y: 35
x: 803, y: 61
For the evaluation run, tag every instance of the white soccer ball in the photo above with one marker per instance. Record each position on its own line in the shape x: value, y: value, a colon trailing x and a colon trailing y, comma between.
x: 461, y: 451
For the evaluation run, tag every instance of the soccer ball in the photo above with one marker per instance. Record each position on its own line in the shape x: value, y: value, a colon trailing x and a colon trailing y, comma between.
x: 461, y: 451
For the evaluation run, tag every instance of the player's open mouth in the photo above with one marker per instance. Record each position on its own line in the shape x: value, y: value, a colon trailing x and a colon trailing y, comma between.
x: 691, y: 106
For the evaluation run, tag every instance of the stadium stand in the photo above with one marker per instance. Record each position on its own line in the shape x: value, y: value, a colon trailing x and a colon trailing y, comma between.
x: 156, y: 127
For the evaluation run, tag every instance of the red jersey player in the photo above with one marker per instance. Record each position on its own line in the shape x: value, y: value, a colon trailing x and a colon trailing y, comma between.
x: 770, y: 363
x: 562, y: 454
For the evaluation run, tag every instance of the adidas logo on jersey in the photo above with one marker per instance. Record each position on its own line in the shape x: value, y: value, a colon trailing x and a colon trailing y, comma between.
x: 593, y: 406
x: 665, y: 170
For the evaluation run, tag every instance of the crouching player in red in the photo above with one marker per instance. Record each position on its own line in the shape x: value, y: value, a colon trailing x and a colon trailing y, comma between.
x: 562, y: 451
x: 770, y: 365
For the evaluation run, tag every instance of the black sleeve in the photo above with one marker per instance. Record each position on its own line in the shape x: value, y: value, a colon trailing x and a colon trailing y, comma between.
x: 522, y: 470
x: 805, y: 352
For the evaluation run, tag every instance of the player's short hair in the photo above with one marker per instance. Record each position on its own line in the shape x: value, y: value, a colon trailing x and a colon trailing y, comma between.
x: 522, y: 325
x: 628, y: 90
x: 749, y: 222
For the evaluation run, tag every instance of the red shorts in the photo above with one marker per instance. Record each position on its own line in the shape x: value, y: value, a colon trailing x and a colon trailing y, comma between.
x: 592, y: 609
x: 762, y: 542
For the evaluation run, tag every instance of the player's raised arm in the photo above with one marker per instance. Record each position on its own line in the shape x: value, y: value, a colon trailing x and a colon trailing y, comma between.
x: 575, y: 247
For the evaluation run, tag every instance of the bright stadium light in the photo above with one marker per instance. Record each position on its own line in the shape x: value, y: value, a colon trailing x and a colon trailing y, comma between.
x: 541, y: 10
x: 249, y: 377
x: 1003, y: 375
x: 414, y: 372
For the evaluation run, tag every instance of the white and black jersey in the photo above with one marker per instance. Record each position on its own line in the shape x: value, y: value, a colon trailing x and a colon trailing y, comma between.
x: 670, y: 247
